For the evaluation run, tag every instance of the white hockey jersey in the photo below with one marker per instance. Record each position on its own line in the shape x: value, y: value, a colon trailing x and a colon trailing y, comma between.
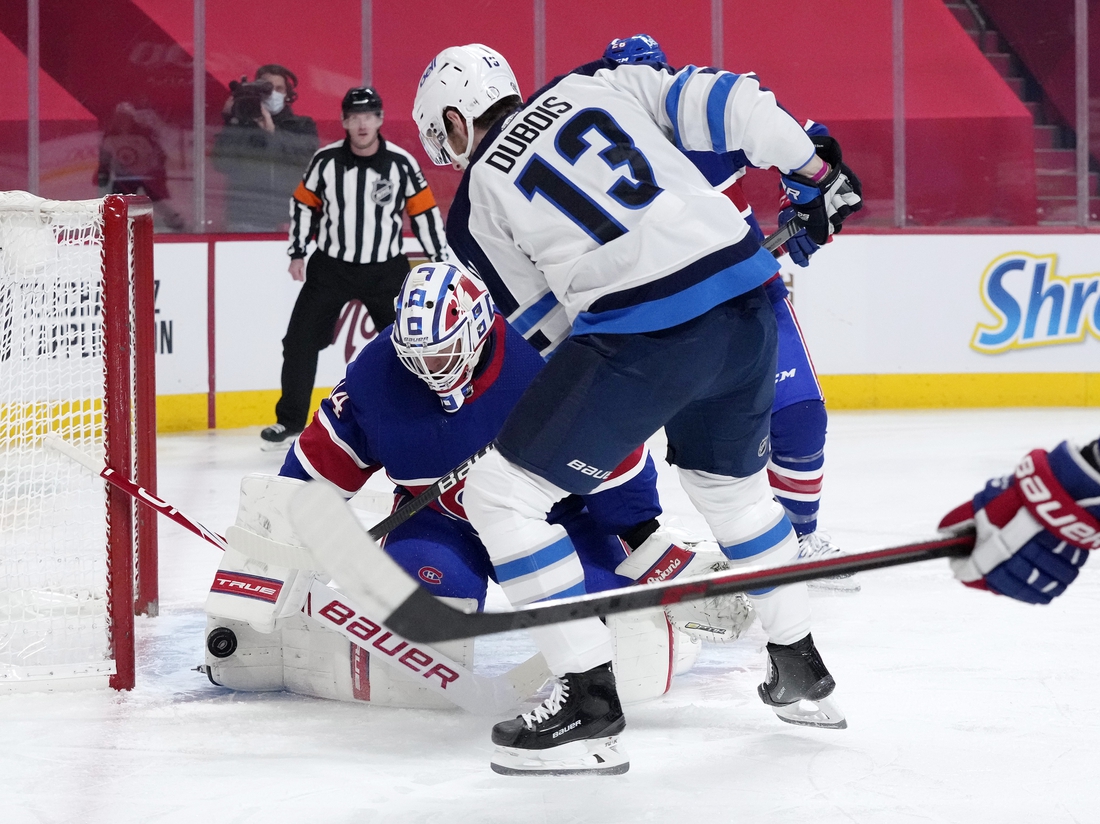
x: 582, y: 213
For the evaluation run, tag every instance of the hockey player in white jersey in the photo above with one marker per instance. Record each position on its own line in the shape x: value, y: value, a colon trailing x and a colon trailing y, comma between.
x: 600, y: 241
x: 799, y: 419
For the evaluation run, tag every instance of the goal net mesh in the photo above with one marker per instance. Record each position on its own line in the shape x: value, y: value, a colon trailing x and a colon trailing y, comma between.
x: 55, y: 618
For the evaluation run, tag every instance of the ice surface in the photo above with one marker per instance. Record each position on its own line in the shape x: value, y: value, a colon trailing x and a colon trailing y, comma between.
x: 962, y: 707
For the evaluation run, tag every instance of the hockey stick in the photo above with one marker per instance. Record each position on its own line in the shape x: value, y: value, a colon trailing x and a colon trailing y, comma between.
x: 325, y: 606
x: 403, y: 513
x: 59, y: 444
x: 784, y: 233
x: 343, y: 549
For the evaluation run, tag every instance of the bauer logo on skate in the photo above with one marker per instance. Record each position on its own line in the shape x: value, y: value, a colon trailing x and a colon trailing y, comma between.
x: 1033, y: 306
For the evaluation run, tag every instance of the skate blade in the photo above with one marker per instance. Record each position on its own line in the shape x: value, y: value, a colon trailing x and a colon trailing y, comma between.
x: 823, y: 713
x: 283, y: 446
x: 596, y: 756
x: 847, y: 584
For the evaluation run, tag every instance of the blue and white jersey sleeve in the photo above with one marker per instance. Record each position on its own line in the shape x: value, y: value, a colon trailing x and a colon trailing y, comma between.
x: 709, y: 110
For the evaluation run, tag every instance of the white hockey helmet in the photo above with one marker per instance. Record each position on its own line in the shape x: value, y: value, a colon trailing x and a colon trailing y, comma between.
x: 468, y: 78
x: 444, y: 316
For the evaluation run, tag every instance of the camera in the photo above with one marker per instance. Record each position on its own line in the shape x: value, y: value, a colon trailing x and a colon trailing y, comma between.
x: 248, y: 99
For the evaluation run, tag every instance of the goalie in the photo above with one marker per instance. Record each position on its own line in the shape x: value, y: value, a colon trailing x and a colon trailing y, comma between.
x: 430, y: 391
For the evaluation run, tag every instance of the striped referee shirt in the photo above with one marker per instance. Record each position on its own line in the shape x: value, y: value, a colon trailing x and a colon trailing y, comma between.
x: 351, y: 205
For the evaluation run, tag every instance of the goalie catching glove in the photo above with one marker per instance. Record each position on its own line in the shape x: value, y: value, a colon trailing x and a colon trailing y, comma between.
x: 1035, y: 527
x: 824, y: 201
x: 664, y: 556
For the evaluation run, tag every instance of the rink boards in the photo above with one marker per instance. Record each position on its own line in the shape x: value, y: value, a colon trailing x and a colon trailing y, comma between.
x: 892, y: 321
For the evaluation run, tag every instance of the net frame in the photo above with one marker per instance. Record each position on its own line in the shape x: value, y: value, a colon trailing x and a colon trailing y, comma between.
x: 125, y: 226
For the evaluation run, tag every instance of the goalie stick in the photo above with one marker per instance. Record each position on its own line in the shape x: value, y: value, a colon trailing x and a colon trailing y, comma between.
x: 345, y: 551
x: 478, y: 694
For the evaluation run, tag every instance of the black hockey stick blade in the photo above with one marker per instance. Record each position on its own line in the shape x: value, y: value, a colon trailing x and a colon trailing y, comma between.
x: 784, y: 233
x: 367, y: 574
x: 395, y: 519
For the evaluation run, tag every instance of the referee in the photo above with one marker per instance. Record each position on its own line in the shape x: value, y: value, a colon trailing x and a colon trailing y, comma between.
x: 350, y: 201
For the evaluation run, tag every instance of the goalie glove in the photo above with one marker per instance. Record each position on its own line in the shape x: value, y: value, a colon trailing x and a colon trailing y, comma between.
x: 824, y: 201
x: 664, y: 556
x: 1034, y: 528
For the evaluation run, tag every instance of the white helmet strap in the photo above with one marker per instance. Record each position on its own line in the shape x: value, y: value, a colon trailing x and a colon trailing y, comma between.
x: 463, y: 160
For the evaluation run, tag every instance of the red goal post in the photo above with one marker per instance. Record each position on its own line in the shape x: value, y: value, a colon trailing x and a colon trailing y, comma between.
x: 77, y: 360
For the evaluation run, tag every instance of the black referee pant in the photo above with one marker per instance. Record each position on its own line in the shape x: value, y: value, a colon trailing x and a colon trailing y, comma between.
x: 330, y: 284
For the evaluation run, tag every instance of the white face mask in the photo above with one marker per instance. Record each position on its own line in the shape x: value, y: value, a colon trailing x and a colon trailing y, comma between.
x: 274, y: 102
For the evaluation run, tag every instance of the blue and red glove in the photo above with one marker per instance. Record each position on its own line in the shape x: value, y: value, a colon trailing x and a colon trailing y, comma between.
x: 799, y: 247
x: 1034, y: 528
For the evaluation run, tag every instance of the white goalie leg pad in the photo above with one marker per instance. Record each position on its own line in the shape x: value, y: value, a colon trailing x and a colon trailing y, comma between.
x: 308, y: 659
x: 645, y: 654
x: 248, y: 587
x: 392, y: 686
x: 688, y: 648
x: 247, y: 660
x: 534, y: 560
x: 323, y: 664
x: 752, y: 529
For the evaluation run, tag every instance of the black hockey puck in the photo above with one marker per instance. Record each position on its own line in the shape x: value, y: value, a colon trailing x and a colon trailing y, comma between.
x: 221, y: 642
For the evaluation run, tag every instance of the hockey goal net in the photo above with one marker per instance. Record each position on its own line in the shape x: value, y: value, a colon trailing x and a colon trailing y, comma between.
x: 76, y: 361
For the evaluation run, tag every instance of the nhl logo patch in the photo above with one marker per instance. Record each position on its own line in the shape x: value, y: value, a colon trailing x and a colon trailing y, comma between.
x: 382, y: 191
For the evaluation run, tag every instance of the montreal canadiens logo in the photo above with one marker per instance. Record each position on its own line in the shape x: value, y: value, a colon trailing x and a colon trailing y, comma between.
x: 431, y: 575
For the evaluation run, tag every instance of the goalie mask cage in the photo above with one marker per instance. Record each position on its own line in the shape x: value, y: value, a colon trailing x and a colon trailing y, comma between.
x: 77, y: 360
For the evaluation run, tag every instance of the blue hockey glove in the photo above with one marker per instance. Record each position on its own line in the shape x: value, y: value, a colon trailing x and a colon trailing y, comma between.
x: 799, y: 247
x: 823, y: 204
x: 1034, y: 528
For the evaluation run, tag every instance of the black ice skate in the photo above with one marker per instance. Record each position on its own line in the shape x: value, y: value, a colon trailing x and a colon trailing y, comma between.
x: 575, y: 730
x: 798, y: 686
x: 278, y: 436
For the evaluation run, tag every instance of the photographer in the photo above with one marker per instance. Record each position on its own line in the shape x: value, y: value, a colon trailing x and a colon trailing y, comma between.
x: 262, y: 150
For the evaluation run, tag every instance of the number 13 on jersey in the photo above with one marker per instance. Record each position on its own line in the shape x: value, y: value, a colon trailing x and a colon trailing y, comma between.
x: 633, y: 192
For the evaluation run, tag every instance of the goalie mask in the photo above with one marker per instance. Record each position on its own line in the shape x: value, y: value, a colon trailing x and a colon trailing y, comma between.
x: 444, y: 316
x: 467, y: 78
